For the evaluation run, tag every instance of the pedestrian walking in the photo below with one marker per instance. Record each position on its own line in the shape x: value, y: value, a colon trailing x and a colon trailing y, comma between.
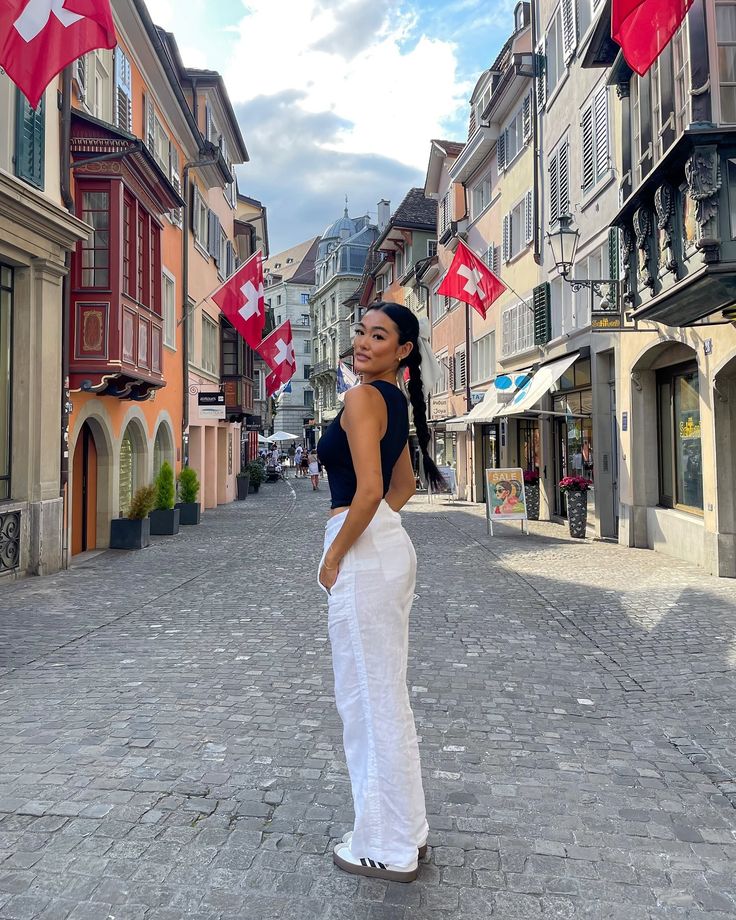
x: 314, y: 471
x: 368, y: 569
x: 305, y: 463
x: 298, y: 461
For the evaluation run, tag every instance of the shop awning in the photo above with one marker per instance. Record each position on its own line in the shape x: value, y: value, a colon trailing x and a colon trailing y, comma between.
x: 526, y: 388
x: 538, y: 384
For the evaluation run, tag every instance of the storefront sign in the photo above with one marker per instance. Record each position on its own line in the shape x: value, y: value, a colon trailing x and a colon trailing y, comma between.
x: 253, y: 423
x: 606, y: 321
x: 477, y: 396
x: 448, y: 474
x: 505, y: 496
x: 439, y: 408
x: 211, y: 404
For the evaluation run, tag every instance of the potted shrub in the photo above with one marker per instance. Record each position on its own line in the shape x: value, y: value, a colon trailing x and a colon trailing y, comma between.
x: 575, y: 489
x: 134, y: 531
x: 165, y: 517
x: 189, y: 508
x: 531, y: 490
x: 243, y: 482
x: 257, y: 475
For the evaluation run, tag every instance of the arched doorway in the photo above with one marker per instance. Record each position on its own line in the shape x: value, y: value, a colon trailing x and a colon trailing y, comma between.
x: 132, y: 466
x: 163, y: 448
x: 724, y: 414
x: 84, y: 491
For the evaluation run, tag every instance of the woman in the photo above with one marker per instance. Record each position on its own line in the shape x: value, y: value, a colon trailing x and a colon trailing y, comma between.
x: 368, y: 570
x: 314, y: 471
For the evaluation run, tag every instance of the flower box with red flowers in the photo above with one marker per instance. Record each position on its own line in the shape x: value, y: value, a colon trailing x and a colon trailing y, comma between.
x: 574, y: 484
x: 531, y: 476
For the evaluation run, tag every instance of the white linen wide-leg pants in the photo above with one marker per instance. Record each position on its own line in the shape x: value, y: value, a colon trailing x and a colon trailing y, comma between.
x: 368, y: 623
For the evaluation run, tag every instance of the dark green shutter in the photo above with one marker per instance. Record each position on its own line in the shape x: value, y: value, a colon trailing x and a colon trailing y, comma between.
x: 542, y: 314
x: 29, y: 141
x: 614, y: 262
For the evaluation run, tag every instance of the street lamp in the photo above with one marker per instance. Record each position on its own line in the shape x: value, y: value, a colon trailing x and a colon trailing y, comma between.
x: 563, y: 241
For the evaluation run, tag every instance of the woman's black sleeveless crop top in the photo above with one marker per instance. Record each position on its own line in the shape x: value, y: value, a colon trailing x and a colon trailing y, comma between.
x: 334, y: 451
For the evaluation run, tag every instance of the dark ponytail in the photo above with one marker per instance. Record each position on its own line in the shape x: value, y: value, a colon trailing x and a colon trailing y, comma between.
x: 408, y: 326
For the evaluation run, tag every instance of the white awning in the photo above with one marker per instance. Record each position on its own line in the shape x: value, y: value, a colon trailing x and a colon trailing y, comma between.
x: 538, y: 384
x: 523, y: 399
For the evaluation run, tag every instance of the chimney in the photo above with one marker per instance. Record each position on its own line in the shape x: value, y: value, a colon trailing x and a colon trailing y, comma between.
x: 384, y: 214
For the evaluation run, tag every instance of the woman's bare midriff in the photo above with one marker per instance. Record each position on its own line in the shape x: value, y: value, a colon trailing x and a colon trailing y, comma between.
x: 335, y: 511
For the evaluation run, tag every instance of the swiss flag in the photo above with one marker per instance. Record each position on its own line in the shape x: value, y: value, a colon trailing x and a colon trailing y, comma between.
x: 470, y: 280
x: 644, y: 27
x: 277, y: 350
x: 38, y: 38
x: 241, y: 299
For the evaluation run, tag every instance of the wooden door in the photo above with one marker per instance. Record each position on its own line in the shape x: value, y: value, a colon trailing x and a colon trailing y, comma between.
x: 84, y: 488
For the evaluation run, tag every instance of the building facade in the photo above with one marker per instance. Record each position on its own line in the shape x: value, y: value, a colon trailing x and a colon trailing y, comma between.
x: 341, y: 254
x: 37, y: 236
x: 676, y: 361
x: 289, y: 278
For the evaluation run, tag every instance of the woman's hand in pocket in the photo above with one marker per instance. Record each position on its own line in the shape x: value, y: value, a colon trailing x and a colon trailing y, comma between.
x: 328, y: 575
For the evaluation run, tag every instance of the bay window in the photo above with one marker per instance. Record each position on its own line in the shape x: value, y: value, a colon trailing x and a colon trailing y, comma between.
x: 96, y: 248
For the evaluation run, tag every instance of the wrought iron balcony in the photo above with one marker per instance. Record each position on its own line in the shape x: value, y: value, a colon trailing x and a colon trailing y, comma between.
x: 322, y: 367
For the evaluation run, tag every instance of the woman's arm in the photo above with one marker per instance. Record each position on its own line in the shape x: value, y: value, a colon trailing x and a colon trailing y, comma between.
x: 364, y: 421
x: 403, y: 482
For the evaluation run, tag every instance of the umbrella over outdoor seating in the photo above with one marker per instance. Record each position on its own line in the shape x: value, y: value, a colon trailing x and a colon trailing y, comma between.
x: 284, y: 436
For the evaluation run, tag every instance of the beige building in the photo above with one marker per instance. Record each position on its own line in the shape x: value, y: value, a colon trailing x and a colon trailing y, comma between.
x: 676, y: 359
x: 37, y: 234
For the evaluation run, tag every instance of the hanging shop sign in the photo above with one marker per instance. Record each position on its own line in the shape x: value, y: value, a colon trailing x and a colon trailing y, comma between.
x: 211, y: 404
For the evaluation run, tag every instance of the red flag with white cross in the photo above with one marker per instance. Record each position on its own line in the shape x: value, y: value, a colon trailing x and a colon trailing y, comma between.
x: 38, y: 38
x: 469, y: 279
x: 241, y: 300
x: 277, y: 350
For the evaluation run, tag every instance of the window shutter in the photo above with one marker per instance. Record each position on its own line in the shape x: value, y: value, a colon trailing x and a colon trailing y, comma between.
x: 175, y: 181
x: 501, y: 151
x: 463, y: 369
x: 600, y: 106
x: 149, y: 122
x: 506, y: 332
x: 588, y: 149
x: 554, y: 187
x: 564, y: 179
x: 542, y: 316
x: 213, y: 236
x: 540, y: 62
x: 569, y: 29
x: 80, y: 75
x: 123, y: 91
x: 452, y: 373
x: 527, y: 117
x: 30, y: 140
x: 195, y: 211
x: 529, y: 216
x: 506, y: 237
x: 496, y: 266
x: 230, y: 266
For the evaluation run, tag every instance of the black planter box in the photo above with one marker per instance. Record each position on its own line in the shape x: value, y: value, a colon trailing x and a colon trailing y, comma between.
x: 254, y: 486
x: 129, y: 534
x: 188, y: 512
x: 164, y: 523
x: 243, y: 483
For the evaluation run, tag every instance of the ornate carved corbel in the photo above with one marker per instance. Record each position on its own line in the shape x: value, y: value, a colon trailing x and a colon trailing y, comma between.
x: 664, y: 205
x: 703, y: 175
x: 636, y: 380
x: 643, y: 231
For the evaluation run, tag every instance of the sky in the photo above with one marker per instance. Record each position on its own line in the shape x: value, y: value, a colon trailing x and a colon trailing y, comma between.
x: 339, y: 97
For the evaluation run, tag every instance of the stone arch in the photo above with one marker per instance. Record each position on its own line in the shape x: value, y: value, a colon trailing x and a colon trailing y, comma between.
x: 724, y: 425
x: 163, y: 446
x: 134, y: 461
x: 644, y: 449
x: 98, y: 424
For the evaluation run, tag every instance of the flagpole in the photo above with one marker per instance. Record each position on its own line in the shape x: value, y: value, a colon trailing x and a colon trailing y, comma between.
x: 194, y: 306
x: 468, y: 397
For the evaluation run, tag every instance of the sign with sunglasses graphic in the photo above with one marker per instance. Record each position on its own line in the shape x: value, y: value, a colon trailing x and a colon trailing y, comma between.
x: 505, y: 496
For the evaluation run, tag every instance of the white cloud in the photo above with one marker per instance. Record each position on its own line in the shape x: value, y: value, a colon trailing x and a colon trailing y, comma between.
x: 368, y: 64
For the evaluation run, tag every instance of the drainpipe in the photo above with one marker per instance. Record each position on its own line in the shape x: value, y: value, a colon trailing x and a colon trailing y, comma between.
x: 66, y: 292
x: 536, y: 139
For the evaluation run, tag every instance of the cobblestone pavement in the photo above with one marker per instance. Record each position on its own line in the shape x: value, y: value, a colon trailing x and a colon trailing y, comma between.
x: 169, y: 746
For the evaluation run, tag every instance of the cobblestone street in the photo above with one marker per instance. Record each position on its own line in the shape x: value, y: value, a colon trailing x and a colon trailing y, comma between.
x: 169, y: 746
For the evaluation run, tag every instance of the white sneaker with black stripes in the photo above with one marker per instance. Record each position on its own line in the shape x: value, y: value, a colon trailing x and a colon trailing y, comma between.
x: 342, y: 856
x: 347, y: 838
